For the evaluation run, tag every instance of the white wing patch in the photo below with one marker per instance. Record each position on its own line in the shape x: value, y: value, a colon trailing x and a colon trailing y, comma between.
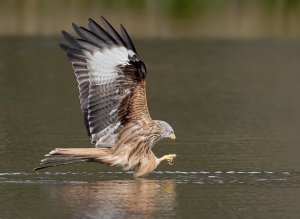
x: 104, y: 62
x: 103, y: 70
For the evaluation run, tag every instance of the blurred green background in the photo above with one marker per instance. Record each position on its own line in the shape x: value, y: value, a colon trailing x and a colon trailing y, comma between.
x: 157, y: 18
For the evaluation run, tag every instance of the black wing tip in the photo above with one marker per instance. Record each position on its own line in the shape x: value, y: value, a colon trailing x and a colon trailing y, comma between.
x: 63, y: 46
x: 65, y: 33
x: 105, y: 21
x: 127, y: 39
x: 67, y: 36
x: 113, y: 32
x: 108, y: 25
x: 71, y: 39
x: 99, y: 35
x: 90, y: 20
x: 76, y: 28
x: 103, y: 18
x: 74, y: 25
x: 99, y: 31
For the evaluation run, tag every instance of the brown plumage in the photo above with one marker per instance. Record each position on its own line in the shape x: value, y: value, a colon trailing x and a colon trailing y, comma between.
x: 112, y: 85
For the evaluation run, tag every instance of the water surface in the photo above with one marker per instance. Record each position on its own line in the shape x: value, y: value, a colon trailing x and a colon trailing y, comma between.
x: 235, y: 108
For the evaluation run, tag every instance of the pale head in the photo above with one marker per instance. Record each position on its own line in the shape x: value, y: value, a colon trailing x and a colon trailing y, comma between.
x: 166, y: 130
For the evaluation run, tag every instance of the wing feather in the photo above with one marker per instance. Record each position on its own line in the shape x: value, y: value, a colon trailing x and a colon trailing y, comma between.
x: 127, y: 39
x: 98, y: 30
x: 71, y: 51
x: 70, y: 39
x: 111, y: 80
x: 113, y: 32
x: 87, y: 45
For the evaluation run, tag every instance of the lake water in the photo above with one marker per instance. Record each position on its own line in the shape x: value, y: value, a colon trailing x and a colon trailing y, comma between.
x: 235, y: 108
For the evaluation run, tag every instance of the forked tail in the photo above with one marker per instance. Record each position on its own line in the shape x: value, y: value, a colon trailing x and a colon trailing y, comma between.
x: 63, y: 156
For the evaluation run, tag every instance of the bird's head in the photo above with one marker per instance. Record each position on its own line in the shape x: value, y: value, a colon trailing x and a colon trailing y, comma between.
x: 166, y: 130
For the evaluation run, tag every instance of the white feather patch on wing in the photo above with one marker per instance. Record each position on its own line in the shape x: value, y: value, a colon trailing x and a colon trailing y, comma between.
x: 103, y: 69
x: 104, y: 63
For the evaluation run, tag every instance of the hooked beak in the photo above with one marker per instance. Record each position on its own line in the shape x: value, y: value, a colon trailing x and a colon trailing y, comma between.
x: 172, y: 136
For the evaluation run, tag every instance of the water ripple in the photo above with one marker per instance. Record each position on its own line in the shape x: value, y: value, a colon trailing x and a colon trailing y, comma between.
x: 180, y: 177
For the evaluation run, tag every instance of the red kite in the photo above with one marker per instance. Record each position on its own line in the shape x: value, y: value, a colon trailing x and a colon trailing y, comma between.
x: 112, y: 82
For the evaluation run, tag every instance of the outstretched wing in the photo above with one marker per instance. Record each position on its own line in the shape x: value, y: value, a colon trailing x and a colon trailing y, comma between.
x: 111, y: 80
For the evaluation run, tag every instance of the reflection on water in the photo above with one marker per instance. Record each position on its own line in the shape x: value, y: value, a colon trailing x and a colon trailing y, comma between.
x: 168, y: 194
x: 135, y: 198
x: 117, y: 198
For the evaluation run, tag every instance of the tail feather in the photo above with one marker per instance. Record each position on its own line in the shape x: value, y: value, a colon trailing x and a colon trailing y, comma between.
x: 54, y: 163
x: 62, y: 159
x: 63, y: 156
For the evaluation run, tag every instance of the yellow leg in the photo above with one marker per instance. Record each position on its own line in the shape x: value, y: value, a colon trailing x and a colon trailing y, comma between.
x: 169, y: 158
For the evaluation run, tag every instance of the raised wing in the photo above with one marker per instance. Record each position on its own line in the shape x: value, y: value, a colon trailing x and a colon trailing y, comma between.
x: 111, y: 80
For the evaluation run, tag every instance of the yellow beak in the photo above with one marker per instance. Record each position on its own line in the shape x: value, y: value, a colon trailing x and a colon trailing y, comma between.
x: 172, y: 136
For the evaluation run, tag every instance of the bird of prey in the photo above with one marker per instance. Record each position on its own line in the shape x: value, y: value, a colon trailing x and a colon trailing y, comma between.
x: 112, y: 86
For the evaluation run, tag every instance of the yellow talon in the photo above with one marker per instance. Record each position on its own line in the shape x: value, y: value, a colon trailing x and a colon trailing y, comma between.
x: 169, y: 158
